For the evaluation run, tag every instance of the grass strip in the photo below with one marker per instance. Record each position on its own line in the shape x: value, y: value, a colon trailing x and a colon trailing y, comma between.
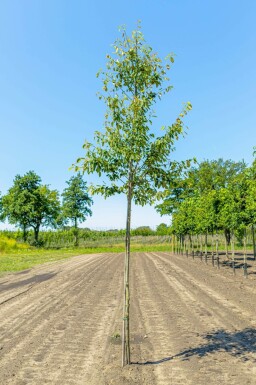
x: 25, y: 259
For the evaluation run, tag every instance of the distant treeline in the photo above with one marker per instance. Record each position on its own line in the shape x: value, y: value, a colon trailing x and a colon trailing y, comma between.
x: 34, y: 209
x: 67, y: 237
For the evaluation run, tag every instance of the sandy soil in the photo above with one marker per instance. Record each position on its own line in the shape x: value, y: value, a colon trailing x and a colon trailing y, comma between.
x: 191, y: 323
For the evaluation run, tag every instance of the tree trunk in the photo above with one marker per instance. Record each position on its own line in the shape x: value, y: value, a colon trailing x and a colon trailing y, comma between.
x: 126, y: 312
x: 190, y: 240
x: 76, y: 233
x: 227, y: 236
x: 253, y: 243
x: 205, y: 247
x: 226, y: 246
x: 233, y: 253
x: 217, y: 252
x: 24, y: 233
x: 206, y: 238
x: 36, y: 233
x: 245, y: 254
x: 212, y: 249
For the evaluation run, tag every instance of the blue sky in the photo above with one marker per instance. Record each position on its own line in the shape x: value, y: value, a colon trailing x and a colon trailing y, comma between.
x: 50, y: 51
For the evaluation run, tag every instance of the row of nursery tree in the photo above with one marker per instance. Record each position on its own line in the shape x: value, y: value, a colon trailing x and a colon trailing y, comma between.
x: 30, y: 204
x: 213, y: 197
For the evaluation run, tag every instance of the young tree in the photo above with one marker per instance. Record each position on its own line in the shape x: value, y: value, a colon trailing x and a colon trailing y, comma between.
x: 1, y: 208
x: 76, y: 202
x: 133, y: 159
x: 209, y: 175
x: 205, y: 182
x: 28, y: 203
x: 250, y: 199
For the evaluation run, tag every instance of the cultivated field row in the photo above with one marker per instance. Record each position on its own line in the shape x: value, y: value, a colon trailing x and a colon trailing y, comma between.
x: 191, y: 323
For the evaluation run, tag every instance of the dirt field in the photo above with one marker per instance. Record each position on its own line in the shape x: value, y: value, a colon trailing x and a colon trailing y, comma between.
x: 191, y: 323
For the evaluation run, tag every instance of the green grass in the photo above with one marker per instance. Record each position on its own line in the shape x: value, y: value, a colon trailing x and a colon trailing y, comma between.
x: 18, y: 260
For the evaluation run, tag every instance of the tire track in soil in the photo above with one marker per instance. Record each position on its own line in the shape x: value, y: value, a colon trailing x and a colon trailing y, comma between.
x: 67, y: 337
x: 133, y: 374
x: 161, y: 314
x: 10, y: 288
x: 206, y: 311
x: 31, y: 312
x: 213, y: 290
x: 59, y: 332
x: 218, y: 306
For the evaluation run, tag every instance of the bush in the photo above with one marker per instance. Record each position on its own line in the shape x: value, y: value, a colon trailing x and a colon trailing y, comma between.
x: 143, y: 230
x: 8, y: 244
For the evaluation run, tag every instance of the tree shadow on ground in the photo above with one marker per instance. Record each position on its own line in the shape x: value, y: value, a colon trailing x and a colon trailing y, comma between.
x: 238, y: 344
x: 238, y: 265
x: 35, y: 279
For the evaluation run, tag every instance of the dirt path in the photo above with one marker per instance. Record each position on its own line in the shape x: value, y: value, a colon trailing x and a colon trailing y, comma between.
x: 190, y: 323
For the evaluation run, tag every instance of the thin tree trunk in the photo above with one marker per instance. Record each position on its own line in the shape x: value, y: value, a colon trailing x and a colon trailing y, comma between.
x: 190, y: 241
x: 76, y: 233
x: 24, y: 233
x: 226, y: 246
x: 227, y: 233
x: 212, y: 249
x: 233, y: 253
x: 205, y: 246
x: 126, y: 312
x: 245, y: 254
x: 36, y: 233
x: 217, y: 251
x: 253, y: 243
x: 201, y: 247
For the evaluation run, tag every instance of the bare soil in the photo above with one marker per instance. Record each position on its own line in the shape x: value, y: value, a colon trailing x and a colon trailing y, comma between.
x: 190, y: 323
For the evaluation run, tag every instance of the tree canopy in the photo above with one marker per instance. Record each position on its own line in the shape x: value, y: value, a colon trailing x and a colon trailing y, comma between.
x: 30, y: 204
x: 199, y: 180
x: 216, y: 196
x: 127, y: 151
x: 131, y: 157
x: 76, y: 202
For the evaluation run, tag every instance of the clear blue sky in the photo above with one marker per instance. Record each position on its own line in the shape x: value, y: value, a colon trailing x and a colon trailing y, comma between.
x: 50, y: 51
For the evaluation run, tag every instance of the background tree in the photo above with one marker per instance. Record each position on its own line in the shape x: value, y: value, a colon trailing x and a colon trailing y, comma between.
x: 76, y: 202
x: 131, y: 157
x: 1, y: 208
x: 204, y: 183
x: 250, y: 202
x: 28, y: 204
x: 163, y: 229
x: 198, y: 180
x: 214, y: 174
